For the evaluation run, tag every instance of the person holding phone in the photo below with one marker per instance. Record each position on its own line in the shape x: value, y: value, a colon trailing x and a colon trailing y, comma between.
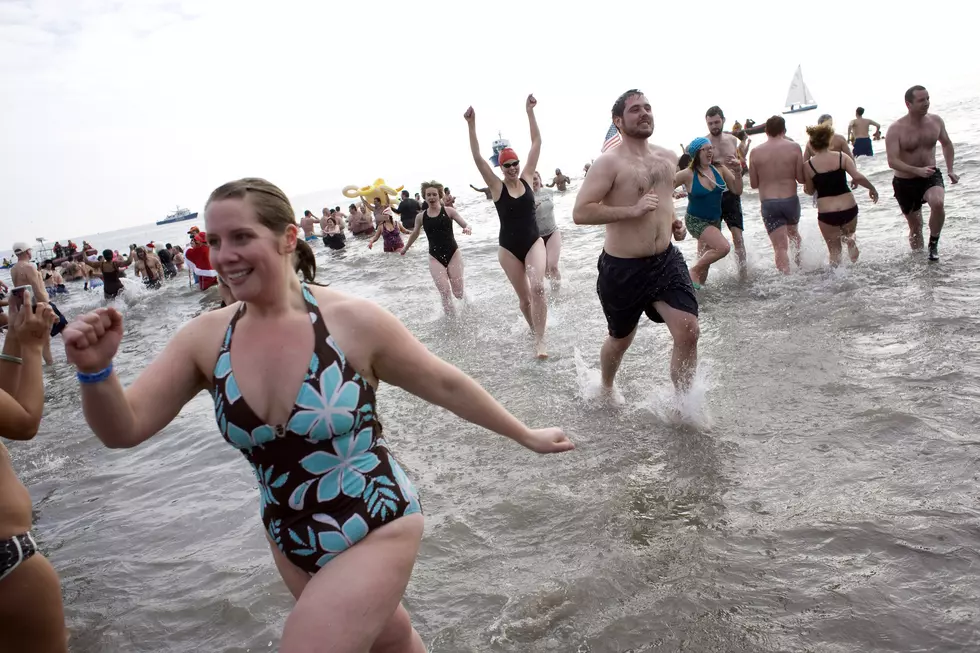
x: 24, y: 273
x: 31, y: 611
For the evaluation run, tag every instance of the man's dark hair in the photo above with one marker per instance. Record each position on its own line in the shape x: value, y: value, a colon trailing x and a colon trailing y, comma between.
x: 714, y: 111
x: 168, y: 246
x: 775, y: 126
x: 860, y: 111
x: 910, y: 94
x: 619, y: 107
x: 684, y: 161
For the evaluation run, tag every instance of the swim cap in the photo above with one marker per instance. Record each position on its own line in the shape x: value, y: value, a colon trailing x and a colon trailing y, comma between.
x: 506, y: 155
x: 696, y: 145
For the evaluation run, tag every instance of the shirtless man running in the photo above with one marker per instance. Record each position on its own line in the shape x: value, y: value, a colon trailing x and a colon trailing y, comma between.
x: 911, y: 147
x: 725, y: 153
x: 777, y: 165
x: 858, y: 132
x: 640, y: 271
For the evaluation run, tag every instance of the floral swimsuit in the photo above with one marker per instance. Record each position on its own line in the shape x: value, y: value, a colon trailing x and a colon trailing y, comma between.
x: 326, y: 477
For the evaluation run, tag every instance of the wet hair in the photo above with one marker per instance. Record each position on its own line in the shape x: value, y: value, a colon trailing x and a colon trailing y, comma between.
x: 860, y: 111
x: 820, y: 136
x: 271, y: 205
x: 619, y: 106
x: 304, y: 261
x: 775, y: 126
x: 684, y: 161
x: 168, y: 246
x: 714, y: 111
x: 910, y: 94
x: 352, y: 207
x: 446, y: 189
x: 107, y: 253
x: 432, y: 184
x: 336, y: 208
x: 307, y: 213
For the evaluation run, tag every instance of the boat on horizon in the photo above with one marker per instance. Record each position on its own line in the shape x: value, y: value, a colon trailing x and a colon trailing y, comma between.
x: 498, y: 145
x: 798, y: 98
x: 178, y: 216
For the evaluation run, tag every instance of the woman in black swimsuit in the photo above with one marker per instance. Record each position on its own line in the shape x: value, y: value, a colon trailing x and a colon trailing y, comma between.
x: 522, y: 253
x: 109, y: 268
x: 445, y: 259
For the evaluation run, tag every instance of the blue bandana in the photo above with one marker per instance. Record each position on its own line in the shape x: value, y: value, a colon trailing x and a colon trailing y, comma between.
x: 696, y: 145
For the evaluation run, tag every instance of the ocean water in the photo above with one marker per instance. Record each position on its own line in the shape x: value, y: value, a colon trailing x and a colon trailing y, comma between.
x: 818, y: 491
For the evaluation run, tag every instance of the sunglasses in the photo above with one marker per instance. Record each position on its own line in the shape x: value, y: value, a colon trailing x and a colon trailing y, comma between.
x: 510, y: 164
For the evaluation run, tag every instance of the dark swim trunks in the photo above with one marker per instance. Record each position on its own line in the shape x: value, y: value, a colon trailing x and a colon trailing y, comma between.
x: 628, y: 287
x: 862, y: 147
x: 780, y: 212
x: 731, y: 210
x: 910, y: 192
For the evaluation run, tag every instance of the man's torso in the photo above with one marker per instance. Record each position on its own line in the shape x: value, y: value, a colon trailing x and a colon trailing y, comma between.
x: 917, y: 142
x: 25, y: 274
x: 724, y: 146
x: 861, y: 127
x: 775, y: 162
x: 635, y: 177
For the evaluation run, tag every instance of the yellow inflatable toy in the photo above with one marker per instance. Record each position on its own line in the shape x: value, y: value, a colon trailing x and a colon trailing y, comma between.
x: 378, y: 189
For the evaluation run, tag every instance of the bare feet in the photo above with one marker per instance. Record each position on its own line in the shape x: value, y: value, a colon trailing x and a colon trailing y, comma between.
x: 540, y: 351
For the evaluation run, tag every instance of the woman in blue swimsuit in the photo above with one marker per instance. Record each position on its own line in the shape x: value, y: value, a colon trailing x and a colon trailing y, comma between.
x: 522, y: 253
x: 343, y: 520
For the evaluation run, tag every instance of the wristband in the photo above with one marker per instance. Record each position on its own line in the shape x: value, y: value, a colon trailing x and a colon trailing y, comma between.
x: 11, y: 359
x: 97, y: 377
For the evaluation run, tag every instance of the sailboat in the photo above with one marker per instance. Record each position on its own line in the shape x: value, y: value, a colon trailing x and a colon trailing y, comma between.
x: 799, y: 98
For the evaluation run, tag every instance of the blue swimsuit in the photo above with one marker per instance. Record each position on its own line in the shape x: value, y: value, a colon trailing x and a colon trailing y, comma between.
x: 326, y: 477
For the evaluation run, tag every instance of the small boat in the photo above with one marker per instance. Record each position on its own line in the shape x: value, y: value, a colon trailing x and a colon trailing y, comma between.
x: 498, y: 145
x: 798, y: 98
x: 178, y: 216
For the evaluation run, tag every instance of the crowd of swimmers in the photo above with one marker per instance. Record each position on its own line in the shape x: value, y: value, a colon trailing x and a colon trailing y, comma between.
x: 337, y: 508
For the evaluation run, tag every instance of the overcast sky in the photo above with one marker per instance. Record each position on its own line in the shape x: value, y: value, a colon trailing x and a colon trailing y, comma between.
x: 114, y: 112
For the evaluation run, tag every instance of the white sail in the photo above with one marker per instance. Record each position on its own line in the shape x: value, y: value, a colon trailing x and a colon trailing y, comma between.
x: 798, y: 93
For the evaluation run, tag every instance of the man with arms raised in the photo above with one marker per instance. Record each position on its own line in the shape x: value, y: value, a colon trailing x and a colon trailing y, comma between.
x: 777, y: 165
x: 725, y: 149
x: 858, y: 132
x: 640, y: 271
x: 911, y: 146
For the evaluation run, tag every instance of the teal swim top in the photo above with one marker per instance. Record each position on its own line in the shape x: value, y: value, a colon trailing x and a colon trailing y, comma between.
x: 703, y: 203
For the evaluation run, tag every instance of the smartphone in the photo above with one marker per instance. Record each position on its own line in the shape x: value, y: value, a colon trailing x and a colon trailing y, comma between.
x: 20, y: 296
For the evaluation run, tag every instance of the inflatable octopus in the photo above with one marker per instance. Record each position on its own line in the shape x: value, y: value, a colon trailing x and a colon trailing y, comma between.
x: 378, y: 189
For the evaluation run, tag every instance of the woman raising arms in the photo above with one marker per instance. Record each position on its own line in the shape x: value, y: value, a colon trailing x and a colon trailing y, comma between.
x: 522, y: 252
x: 294, y: 369
x: 445, y: 259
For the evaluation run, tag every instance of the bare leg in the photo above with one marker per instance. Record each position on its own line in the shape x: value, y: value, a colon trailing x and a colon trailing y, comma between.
x: 935, y: 197
x: 793, y: 231
x: 46, y: 353
x: 553, y: 247
x: 456, y: 274
x: 685, y: 331
x: 440, y: 276
x: 529, y: 277
x: 32, y: 617
x: 715, y: 247
x: 915, y: 229
x: 366, y: 614
x: 611, y: 355
x: 517, y: 276
x: 739, y: 244
x: 780, y: 246
x: 833, y: 236
x: 849, y: 237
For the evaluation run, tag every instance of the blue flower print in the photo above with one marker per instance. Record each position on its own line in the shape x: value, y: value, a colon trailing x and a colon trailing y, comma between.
x: 344, y: 537
x: 329, y: 411
x: 222, y: 370
x: 380, y: 497
x: 405, y: 485
x: 267, y: 484
x: 343, y: 472
x: 248, y: 441
x: 309, y: 545
x: 274, y: 532
x: 308, y: 296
